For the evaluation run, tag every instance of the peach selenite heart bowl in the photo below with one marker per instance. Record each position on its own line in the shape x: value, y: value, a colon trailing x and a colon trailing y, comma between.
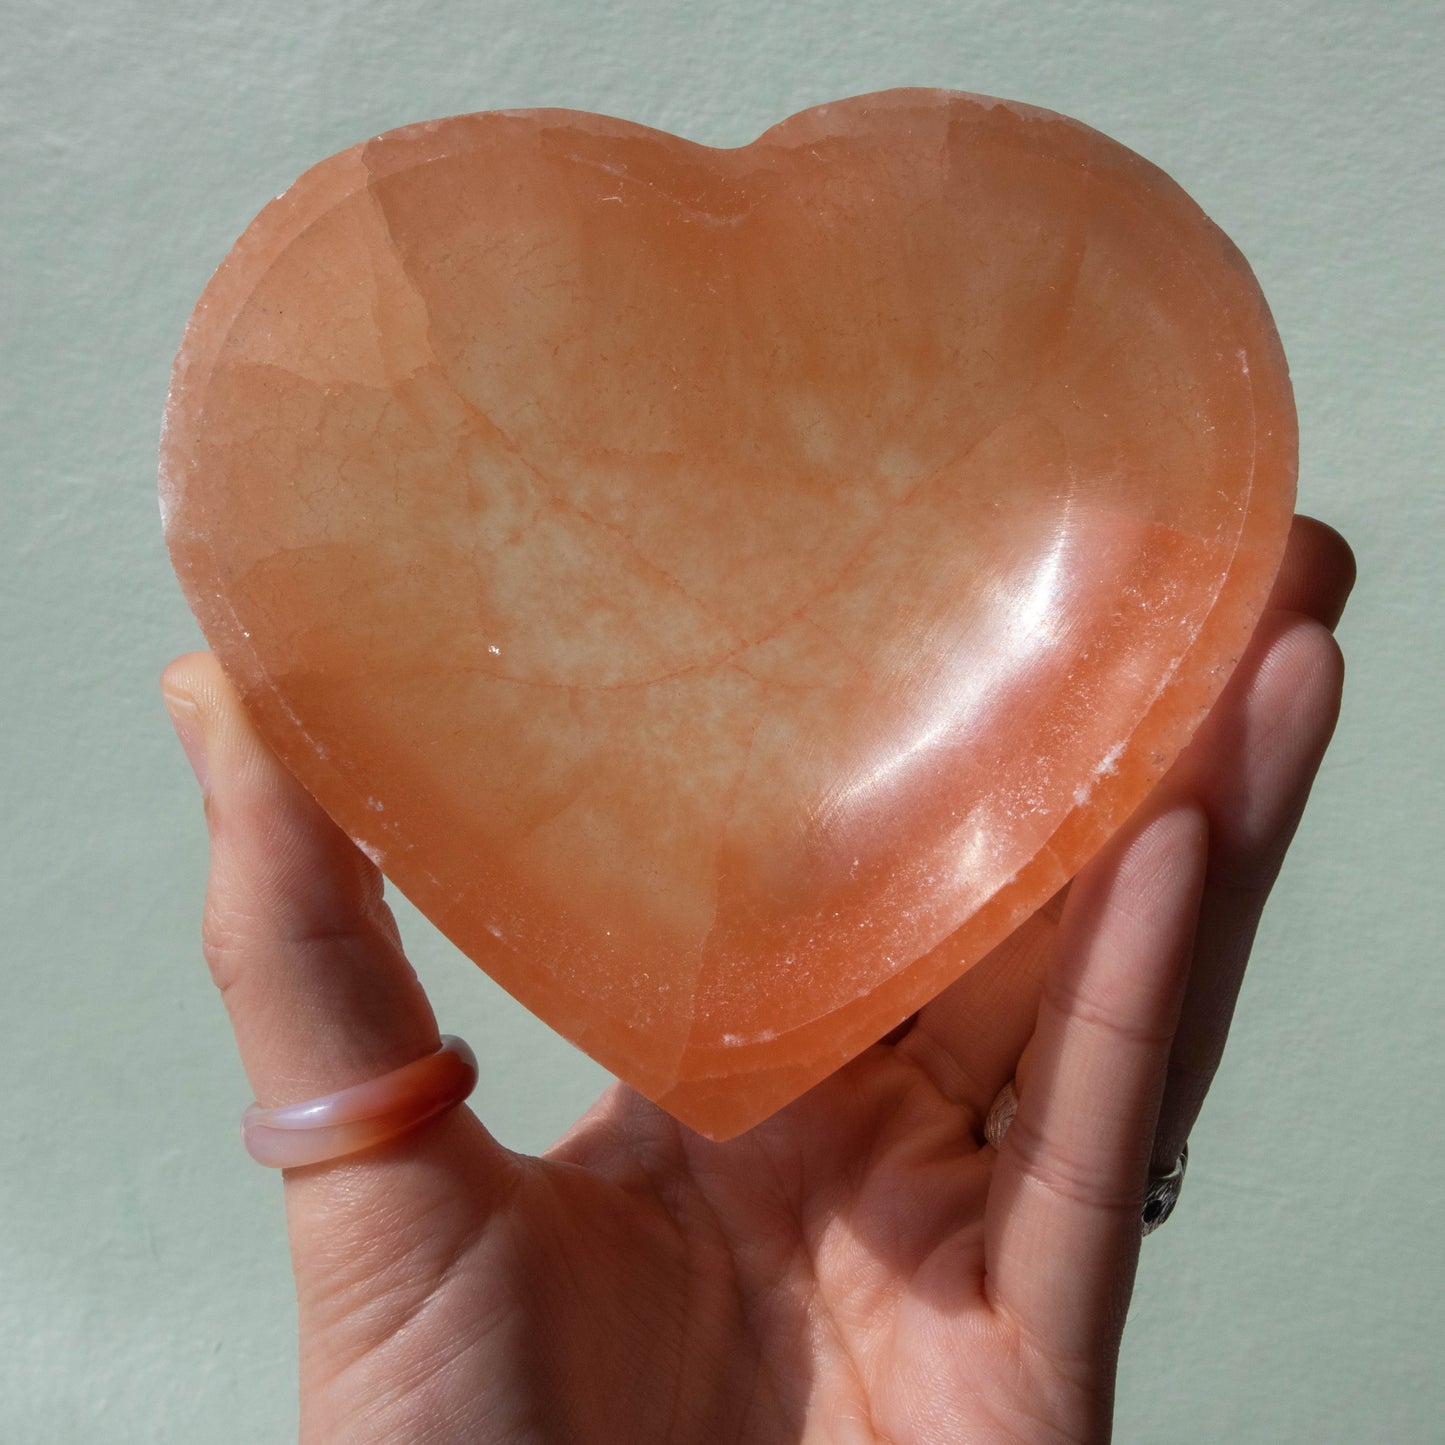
x: 729, y: 590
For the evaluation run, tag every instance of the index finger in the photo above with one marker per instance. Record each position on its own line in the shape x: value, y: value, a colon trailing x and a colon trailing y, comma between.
x: 1061, y: 1232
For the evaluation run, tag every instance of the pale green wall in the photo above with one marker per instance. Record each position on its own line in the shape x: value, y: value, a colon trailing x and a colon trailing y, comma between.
x: 144, y: 1292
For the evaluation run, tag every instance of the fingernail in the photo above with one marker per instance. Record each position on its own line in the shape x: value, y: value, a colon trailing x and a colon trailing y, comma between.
x: 187, y: 723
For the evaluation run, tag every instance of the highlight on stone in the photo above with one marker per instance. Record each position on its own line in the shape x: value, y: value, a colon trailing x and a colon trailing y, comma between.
x: 728, y: 591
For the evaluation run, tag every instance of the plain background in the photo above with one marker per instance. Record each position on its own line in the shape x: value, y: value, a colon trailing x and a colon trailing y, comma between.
x: 144, y: 1288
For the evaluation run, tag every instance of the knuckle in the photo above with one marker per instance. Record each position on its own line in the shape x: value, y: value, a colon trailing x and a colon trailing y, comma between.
x: 1108, y: 1017
x: 222, y: 945
x: 234, y: 939
x: 1078, y: 1179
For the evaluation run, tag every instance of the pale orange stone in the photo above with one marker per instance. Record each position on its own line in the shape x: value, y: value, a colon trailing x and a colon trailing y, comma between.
x: 730, y: 590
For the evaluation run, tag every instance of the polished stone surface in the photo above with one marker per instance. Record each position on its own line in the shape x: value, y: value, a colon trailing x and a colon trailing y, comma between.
x: 729, y: 590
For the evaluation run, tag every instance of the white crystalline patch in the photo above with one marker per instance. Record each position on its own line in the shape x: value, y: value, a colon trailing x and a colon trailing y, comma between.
x: 734, y: 1041
x: 1108, y: 765
x: 1110, y: 762
x: 371, y: 851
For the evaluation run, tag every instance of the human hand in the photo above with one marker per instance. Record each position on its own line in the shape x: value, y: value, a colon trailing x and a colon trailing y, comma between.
x: 860, y: 1267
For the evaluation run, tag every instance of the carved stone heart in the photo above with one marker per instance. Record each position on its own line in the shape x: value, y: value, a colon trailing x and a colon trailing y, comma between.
x: 728, y: 590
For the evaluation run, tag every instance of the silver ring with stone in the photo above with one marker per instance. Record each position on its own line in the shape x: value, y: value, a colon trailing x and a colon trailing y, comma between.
x: 1161, y: 1194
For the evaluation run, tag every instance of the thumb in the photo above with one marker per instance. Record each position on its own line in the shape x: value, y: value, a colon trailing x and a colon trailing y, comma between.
x: 305, y: 953
x: 321, y: 997
x: 303, y: 949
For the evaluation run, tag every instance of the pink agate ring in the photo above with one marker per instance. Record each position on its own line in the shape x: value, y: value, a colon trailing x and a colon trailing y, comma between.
x: 334, y: 1125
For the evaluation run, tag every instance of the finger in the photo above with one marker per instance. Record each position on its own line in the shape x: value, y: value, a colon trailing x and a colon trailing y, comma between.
x: 1317, y: 573
x: 1062, y: 1225
x: 321, y: 998
x: 1250, y: 767
x: 1250, y: 770
x: 300, y: 944
x: 302, y: 947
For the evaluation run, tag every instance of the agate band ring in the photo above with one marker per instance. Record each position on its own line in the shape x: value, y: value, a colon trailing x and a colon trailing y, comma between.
x: 335, y: 1125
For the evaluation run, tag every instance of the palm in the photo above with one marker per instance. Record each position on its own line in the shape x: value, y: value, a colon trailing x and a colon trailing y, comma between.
x: 842, y: 1246
x: 823, y: 1277
x: 771, y: 1288
x: 861, y: 1267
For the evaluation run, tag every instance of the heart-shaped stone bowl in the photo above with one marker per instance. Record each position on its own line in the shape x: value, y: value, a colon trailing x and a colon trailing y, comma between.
x: 729, y: 590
